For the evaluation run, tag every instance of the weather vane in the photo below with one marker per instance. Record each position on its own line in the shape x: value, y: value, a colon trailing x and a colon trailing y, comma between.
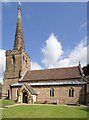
x: 19, y: 3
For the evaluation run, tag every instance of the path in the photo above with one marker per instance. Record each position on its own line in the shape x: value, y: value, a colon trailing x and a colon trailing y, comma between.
x: 9, y: 106
x: 12, y: 106
x: 24, y: 104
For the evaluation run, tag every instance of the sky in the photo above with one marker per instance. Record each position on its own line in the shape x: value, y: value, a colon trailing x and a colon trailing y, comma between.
x: 55, y: 34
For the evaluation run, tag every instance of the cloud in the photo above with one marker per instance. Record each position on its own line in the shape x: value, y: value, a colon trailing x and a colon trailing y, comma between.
x: 53, y: 54
x: 52, y: 51
x: 79, y: 53
x: 2, y: 64
x: 35, y: 66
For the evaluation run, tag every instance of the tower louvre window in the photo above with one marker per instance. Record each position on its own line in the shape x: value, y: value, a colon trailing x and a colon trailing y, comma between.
x: 13, y: 59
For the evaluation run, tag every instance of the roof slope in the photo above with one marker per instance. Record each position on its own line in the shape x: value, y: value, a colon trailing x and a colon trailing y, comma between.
x: 52, y: 74
x: 30, y: 89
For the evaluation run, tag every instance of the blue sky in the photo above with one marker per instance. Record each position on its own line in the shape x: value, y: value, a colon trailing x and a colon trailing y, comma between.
x: 64, y: 25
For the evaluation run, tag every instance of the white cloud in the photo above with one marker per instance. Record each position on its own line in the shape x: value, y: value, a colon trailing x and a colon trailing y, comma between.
x: 53, y: 54
x: 79, y: 53
x: 2, y: 64
x: 52, y: 51
x: 35, y: 66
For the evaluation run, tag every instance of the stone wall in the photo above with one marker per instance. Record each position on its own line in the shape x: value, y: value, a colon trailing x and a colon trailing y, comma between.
x: 17, y: 63
x: 61, y: 94
x: 14, y: 95
x: 6, y: 87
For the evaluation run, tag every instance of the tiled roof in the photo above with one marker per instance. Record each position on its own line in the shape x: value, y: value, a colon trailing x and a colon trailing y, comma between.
x: 30, y: 89
x: 53, y: 74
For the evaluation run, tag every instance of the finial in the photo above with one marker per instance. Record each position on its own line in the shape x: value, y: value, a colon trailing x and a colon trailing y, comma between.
x: 19, y: 5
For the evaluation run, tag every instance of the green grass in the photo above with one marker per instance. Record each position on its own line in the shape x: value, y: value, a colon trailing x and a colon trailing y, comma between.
x: 6, y: 102
x: 43, y: 111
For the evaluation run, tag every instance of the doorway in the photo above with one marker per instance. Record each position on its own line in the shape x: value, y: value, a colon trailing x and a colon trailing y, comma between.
x: 25, y: 97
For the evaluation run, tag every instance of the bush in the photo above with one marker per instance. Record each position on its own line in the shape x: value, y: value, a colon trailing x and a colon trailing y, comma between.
x: 45, y: 102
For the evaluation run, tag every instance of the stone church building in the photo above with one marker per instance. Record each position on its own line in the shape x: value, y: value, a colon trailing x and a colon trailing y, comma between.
x: 64, y: 85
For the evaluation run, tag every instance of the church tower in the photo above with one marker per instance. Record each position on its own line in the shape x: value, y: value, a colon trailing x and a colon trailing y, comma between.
x: 17, y: 60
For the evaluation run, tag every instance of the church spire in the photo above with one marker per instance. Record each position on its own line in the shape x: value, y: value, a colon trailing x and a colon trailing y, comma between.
x: 19, y: 38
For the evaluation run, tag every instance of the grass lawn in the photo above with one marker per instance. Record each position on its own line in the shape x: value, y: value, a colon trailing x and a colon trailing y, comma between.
x: 6, y: 102
x: 44, y: 111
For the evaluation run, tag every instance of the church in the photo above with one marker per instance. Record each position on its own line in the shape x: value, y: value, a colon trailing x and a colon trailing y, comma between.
x: 58, y: 85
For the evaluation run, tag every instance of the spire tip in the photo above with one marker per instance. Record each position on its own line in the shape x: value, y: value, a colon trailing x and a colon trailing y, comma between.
x: 19, y: 5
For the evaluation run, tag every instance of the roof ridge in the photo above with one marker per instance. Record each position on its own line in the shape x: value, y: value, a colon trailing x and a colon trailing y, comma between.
x: 56, y: 68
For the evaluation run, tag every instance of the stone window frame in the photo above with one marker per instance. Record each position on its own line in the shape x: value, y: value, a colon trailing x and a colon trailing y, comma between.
x: 71, y: 92
x: 52, y: 91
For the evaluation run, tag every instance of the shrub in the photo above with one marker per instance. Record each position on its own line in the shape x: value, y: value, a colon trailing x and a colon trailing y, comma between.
x: 45, y: 102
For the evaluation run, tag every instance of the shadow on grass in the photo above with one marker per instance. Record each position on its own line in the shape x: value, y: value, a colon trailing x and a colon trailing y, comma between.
x: 86, y: 109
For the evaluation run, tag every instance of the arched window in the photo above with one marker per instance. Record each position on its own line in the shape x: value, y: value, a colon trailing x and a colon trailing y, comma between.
x: 71, y: 92
x: 13, y: 59
x: 51, y: 92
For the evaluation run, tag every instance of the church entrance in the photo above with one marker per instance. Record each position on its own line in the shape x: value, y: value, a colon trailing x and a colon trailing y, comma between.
x: 25, y: 97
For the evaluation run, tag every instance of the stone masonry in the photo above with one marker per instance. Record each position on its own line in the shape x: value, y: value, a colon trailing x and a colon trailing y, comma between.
x: 17, y: 60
